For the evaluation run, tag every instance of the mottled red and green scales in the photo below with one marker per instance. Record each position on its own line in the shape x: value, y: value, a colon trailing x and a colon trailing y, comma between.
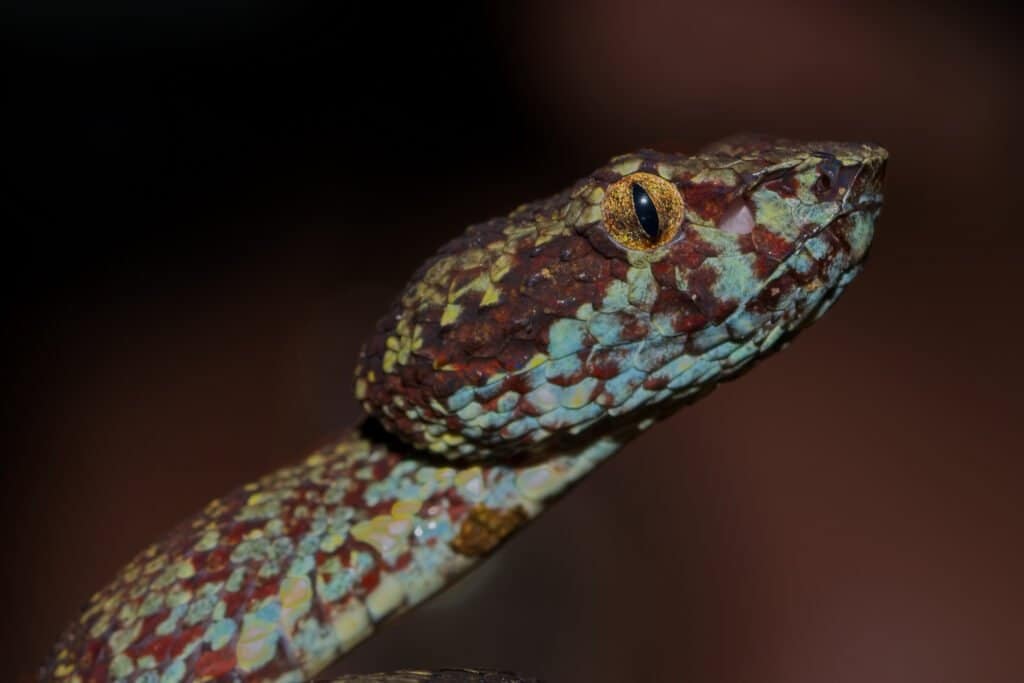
x: 524, y: 353
x: 281, y: 575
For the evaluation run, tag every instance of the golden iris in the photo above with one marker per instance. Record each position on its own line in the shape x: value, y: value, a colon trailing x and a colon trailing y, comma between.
x: 628, y: 215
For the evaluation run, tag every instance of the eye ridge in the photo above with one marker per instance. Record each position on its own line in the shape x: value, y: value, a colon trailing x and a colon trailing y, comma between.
x: 646, y: 211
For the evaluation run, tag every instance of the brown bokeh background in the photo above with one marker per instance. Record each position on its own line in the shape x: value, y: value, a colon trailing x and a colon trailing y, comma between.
x: 219, y: 202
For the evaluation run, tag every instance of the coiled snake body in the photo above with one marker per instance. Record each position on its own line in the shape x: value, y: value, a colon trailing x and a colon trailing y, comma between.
x: 523, y: 354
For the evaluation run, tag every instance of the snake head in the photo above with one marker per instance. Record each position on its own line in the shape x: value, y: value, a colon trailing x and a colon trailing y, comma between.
x: 608, y: 305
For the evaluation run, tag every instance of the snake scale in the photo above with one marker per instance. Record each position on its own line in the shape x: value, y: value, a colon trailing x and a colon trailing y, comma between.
x: 524, y: 353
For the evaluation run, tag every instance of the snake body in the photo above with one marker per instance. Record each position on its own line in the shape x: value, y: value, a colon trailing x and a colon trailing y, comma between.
x: 523, y: 354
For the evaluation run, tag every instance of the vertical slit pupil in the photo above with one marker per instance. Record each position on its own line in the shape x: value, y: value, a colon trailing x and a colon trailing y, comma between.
x: 646, y: 211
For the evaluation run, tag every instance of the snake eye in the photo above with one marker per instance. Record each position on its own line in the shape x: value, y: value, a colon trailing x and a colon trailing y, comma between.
x: 642, y: 211
x: 646, y: 212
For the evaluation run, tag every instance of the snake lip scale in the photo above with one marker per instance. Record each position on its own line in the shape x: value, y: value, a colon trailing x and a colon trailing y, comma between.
x: 523, y: 354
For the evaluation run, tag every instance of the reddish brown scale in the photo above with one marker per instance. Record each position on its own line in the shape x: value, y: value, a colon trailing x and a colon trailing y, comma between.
x: 186, y: 637
x: 619, y: 269
x: 92, y: 652
x: 461, y: 278
x: 673, y: 302
x: 684, y: 324
x: 369, y: 581
x: 603, y: 368
x: 266, y: 589
x: 772, y: 245
x: 491, y: 350
x: 698, y: 285
x: 216, y: 662
x: 547, y: 286
x: 459, y: 510
x: 298, y: 527
x: 844, y: 236
x: 579, y: 293
x: 407, y: 374
x: 578, y: 268
x: 664, y: 273
x: 530, y: 327
x: 690, y: 251
x: 234, y: 601
x: 401, y: 422
x: 526, y: 408
x: 590, y: 268
x: 708, y: 200
x: 768, y: 299
x: 806, y: 278
x: 438, y: 504
x: 490, y: 405
x: 444, y: 388
x: 839, y: 234
x: 606, y: 176
x: 618, y: 356
x: 379, y: 508
x: 786, y: 186
x: 217, y: 559
x: 429, y: 317
x: 144, y: 646
x: 566, y: 380
x: 502, y: 315
x: 150, y: 623
x: 517, y: 383
x: 403, y: 561
x: 700, y: 246
x: 724, y: 310
x: 515, y: 357
x: 160, y: 647
x: 764, y: 266
x: 381, y: 469
x: 353, y: 497
x: 219, y: 575
x: 633, y: 328
x: 100, y: 673
x: 655, y: 383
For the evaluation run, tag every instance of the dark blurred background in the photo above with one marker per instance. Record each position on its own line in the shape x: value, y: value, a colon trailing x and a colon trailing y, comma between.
x: 208, y: 206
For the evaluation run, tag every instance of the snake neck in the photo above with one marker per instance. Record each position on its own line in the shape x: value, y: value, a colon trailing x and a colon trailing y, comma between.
x: 277, y: 579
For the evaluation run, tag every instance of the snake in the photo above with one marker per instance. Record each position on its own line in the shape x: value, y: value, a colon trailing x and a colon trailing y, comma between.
x: 524, y: 353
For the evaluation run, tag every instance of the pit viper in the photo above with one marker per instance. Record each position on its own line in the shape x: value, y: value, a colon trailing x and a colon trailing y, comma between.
x: 523, y: 354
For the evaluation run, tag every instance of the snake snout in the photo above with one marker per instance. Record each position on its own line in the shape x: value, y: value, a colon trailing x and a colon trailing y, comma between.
x: 865, y: 189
